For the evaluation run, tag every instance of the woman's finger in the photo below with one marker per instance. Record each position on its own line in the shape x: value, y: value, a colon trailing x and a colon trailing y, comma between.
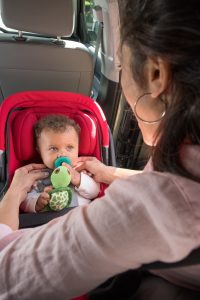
x: 31, y: 178
x: 38, y: 175
x: 32, y: 167
x: 83, y: 166
x: 83, y: 159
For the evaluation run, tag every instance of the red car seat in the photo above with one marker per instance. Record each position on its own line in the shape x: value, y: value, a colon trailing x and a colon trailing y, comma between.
x: 18, y: 114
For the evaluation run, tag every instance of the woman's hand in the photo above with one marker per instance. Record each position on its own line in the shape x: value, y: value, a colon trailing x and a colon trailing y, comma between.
x: 24, y: 178
x: 96, y: 169
x: 101, y: 172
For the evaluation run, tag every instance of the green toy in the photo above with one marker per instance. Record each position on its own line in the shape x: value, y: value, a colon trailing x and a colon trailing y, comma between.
x: 61, y: 194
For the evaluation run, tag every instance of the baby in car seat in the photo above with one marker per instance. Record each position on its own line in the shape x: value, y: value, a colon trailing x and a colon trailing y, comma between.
x: 56, y: 136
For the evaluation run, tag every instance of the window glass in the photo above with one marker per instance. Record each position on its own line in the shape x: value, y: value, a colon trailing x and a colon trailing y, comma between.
x: 91, y: 24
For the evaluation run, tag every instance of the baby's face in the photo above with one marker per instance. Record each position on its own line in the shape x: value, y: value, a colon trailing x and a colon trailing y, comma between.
x: 52, y: 145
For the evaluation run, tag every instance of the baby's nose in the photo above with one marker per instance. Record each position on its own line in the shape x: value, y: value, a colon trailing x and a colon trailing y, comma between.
x: 61, y: 153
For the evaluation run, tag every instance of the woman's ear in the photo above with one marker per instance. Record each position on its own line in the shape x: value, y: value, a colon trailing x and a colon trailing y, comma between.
x: 158, y: 76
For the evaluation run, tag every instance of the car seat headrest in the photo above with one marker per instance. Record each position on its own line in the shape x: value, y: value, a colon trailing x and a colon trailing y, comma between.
x: 23, y: 133
x: 46, y: 17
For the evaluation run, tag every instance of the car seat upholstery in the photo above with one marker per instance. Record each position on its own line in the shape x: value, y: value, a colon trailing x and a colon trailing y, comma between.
x: 30, y: 62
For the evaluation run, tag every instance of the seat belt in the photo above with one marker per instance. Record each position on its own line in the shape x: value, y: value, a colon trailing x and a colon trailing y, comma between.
x: 98, y: 42
x: 98, y: 17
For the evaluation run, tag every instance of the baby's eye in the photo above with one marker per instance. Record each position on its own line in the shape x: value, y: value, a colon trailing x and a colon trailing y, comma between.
x: 53, y: 149
x: 70, y: 147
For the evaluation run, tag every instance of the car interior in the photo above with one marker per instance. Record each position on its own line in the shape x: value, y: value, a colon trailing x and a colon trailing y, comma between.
x: 58, y: 48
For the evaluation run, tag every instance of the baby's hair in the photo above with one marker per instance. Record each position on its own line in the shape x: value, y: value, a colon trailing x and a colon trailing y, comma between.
x: 56, y: 123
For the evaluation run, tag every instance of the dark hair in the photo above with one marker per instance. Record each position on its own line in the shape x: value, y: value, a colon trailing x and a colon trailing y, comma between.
x: 56, y: 123
x: 169, y: 29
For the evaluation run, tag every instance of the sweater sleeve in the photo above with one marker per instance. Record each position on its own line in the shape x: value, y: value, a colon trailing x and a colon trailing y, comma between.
x: 4, y: 230
x: 134, y: 223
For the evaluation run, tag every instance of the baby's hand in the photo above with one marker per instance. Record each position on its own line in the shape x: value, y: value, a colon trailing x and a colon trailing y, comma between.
x: 75, y: 176
x: 43, y: 199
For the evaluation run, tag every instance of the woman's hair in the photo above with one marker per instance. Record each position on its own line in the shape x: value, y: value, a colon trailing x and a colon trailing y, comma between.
x: 56, y: 123
x: 169, y: 29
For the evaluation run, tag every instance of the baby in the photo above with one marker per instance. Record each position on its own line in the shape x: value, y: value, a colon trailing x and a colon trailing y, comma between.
x: 56, y: 136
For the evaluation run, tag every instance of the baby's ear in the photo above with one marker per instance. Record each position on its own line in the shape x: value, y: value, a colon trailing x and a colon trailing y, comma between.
x: 37, y: 149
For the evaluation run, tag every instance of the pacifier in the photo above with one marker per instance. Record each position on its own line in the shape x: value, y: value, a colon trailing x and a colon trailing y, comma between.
x: 62, y: 159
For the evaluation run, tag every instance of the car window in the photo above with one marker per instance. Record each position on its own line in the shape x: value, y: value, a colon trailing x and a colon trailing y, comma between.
x: 92, y: 24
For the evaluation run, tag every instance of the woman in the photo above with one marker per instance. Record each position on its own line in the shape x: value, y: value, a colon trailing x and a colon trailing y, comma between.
x: 143, y: 218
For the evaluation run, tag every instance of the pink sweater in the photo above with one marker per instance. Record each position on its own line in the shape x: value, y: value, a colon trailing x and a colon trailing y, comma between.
x: 148, y: 217
x: 4, y: 230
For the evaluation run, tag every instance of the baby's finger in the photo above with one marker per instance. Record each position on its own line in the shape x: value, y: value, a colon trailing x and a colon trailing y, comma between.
x: 66, y: 165
x: 47, y: 189
x: 39, y: 206
x: 45, y: 195
x: 44, y: 202
x: 69, y: 168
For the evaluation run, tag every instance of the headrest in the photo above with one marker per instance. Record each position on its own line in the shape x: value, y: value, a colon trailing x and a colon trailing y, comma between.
x: 47, y: 17
x: 22, y: 132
